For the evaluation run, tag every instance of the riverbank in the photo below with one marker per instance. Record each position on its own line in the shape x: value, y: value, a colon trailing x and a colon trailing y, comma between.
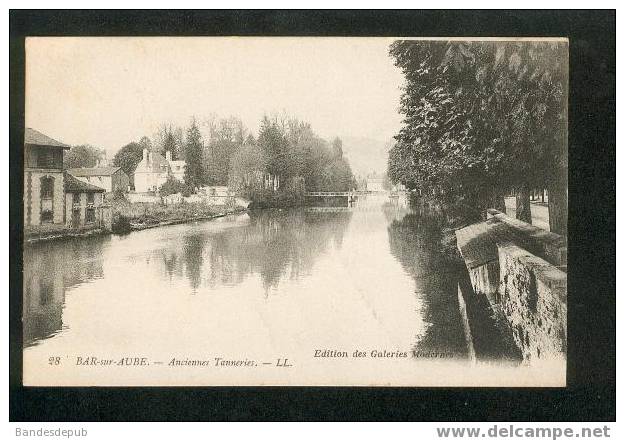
x: 36, y: 235
x: 135, y: 216
x: 128, y: 217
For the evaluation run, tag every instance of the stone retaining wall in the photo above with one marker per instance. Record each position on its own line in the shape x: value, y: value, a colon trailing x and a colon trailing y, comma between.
x: 533, y: 299
x: 515, y: 271
x: 550, y: 246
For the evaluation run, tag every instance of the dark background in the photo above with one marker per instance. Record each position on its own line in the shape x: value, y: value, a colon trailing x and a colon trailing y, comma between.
x: 590, y: 394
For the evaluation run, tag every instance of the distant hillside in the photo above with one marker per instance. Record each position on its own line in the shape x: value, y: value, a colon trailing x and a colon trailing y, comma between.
x: 366, y: 155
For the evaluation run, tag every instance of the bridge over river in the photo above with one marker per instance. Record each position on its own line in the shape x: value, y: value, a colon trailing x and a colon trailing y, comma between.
x: 350, y: 196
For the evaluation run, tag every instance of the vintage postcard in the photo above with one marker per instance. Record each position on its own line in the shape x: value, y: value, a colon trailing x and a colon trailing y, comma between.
x: 236, y: 211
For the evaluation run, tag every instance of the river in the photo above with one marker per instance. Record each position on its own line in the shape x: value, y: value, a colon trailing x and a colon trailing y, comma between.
x: 258, y: 287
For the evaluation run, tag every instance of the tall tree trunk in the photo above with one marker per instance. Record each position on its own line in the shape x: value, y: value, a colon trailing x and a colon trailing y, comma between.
x: 542, y: 195
x: 558, y: 207
x: 523, y: 211
x: 498, y: 201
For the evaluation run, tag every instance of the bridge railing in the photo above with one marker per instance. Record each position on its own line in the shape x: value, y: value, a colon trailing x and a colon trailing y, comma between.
x: 328, y: 193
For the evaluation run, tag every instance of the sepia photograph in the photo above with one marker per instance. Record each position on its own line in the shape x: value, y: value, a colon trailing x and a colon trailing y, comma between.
x: 295, y: 211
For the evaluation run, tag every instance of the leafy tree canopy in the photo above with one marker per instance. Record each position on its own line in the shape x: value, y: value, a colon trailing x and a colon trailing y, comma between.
x: 194, y: 171
x: 128, y: 157
x: 82, y: 156
x: 480, y: 116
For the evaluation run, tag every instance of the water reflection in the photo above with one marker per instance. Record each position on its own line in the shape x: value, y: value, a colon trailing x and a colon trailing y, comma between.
x: 272, y: 243
x: 49, y: 270
x: 372, y: 275
x: 415, y: 239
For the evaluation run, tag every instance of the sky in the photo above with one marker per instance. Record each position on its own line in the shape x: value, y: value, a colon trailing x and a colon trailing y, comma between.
x: 108, y: 92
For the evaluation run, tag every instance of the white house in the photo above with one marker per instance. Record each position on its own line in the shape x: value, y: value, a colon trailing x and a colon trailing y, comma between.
x: 375, y: 184
x: 151, y: 172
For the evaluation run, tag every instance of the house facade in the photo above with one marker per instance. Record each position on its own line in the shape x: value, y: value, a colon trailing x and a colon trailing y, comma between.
x: 84, y: 204
x: 154, y: 169
x: 109, y: 178
x: 375, y: 184
x: 151, y: 172
x: 43, y: 180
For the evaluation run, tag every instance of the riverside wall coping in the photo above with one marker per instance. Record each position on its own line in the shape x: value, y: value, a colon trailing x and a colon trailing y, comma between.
x: 550, y: 246
x: 478, y: 242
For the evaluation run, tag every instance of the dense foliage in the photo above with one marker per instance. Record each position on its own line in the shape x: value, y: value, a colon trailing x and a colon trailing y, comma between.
x: 225, y: 138
x: 128, y: 157
x: 194, y: 175
x: 173, y: 186
x: 287, y: 159
x: 170, y: 139
x: 481, y: 119
x: 82, y: 156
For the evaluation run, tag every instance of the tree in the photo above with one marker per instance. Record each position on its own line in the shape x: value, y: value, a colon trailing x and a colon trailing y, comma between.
x: 194, y: 170
x: 481, y: 119
x: 179, y: 140
x: 82, y: 156
x: 166, y: 141
x: 247, y: 168
x: 145, y: 143
x: 337, y: 176
x: 273, y: 142
x: 226, y: 138
x: 173, y: 186
x: 337, y: 148
x: 127, y: 158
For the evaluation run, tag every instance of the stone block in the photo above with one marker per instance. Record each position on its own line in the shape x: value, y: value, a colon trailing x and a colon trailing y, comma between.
x: 533, y: 296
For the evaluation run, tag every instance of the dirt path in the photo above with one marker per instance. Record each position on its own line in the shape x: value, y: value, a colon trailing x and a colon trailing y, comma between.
x: 540, y: 213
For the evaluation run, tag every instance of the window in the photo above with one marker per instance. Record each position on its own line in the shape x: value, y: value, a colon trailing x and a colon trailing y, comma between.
x: 47, y: 187
x: 49, y: 158
x: 76, y: 198
x: 90, y: 215
x: 90, y: 198
x: 47, y: 216
x: 47, y: 203
x: 44, y: 159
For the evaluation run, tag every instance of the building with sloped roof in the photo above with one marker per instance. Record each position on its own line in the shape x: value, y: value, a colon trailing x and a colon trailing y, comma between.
x: 55, y: 200
x: 153, y: 170
x: 43, y: 179
x: 83, y: 204
x: 109, y: 178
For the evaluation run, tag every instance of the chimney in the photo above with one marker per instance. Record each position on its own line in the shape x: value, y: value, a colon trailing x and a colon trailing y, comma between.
x: 168, y: 155
x: 145, y: 154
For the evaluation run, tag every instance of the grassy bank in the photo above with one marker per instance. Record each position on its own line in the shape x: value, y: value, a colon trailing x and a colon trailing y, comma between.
x: 128, y: 216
